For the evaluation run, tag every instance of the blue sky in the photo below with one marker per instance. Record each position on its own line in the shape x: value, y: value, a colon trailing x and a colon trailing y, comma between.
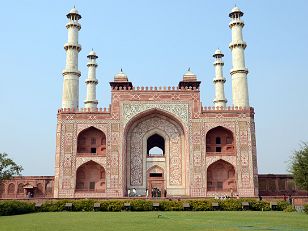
x: 154, y: 42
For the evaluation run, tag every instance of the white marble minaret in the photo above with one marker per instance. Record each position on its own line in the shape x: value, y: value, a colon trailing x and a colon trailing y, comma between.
x: 71, y: 74
x: 219, y: 80
x: 239, y: 71
x: 91, y: 81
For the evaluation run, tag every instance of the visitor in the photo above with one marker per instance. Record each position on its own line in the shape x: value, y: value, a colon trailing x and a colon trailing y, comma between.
x: 146, y: 193
x: 260, y: 198
x: 128, y: 192
x: 290, y: 200
x: 134, y: 192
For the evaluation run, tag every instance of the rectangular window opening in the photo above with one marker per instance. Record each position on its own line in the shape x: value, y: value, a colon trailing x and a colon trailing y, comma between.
x: 156, y: 174
x: 93, y: 150
x: 218, y: 149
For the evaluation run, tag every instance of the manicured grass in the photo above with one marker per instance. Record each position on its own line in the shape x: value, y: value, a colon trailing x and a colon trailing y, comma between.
x: 85, y: 221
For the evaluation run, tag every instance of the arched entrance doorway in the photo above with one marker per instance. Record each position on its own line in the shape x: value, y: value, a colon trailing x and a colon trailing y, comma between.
x: 221, y: 177
x: 156, y: 182
x: 155, y: 139
x: 90, y: 177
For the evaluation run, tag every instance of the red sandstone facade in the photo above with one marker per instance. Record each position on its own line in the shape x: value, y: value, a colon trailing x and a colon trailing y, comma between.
x: 205, y: 151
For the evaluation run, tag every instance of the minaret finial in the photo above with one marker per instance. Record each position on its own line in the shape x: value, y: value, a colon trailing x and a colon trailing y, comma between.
x: 121, y: 69
x: 189, y: 69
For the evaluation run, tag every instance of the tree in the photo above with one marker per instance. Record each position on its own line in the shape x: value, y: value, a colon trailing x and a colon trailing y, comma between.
x: 299, y: 166
x: 8, y: 167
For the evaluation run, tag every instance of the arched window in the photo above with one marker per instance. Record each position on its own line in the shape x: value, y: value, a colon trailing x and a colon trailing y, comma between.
x: 11, y: 188
x: 91, y: 141
x: 20, y: 188
x: 155, y: 146
x: 49, y: 188
x: 2, y: 189
x: 91, y: 177
x: 220, y: 140
x: 221, y: 177
x: 39, y: 189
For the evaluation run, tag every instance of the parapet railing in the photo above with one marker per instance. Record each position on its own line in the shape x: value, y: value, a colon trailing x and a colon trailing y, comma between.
x: 160, y: 88
x: 85, y: 110
x: 229, y: 108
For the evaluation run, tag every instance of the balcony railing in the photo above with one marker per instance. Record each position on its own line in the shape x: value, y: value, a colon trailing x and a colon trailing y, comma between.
x: 85, y: 190
x: 220, y: 153
x: 90, y: 154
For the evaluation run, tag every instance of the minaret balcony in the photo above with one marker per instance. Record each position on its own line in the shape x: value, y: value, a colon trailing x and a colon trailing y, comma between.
x: 235, y: 71
x: 238, y: 43
x: 72, y: 46
x: 71, y: 72
x: 236, y: 22
x: 73, y: 24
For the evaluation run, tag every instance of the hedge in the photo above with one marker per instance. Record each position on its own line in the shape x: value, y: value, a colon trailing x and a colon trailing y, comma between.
x: 8, y: 208
x: 306, y: 208
x: 17, y: 207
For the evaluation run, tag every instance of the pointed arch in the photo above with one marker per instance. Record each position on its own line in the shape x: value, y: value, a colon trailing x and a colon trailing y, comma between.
x: 91, y: 141
x: 91, y: 177
x: 155, y: 145
x: 221, y: 177
x: 20, y: 188
x: 2, y: 189
x: 220, y: 140
x: 11, y: 188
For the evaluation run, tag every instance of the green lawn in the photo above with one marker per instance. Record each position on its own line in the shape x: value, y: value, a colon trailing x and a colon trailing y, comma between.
x: 85, y: 221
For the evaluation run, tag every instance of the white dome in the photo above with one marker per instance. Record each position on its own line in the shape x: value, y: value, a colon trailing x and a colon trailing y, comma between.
x: 189, y: 73
x: 74, y: 11
x: 235, y: 9
x: 92, y: 53
x: 121, y: 77
x: 189, y: 76
x: 218, y: 52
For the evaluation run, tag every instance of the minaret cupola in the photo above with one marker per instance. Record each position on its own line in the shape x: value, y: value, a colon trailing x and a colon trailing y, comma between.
x: 189, y: 80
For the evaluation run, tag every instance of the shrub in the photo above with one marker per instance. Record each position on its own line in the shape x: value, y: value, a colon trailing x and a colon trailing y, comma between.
x: 57, y: 206
x: 83, y: 205
x: 170, y: 205
x: 289, y: 208
x: 115, y: 206
x: 230, y: 205
x: 259, y: 205
x: 15, y: 207
x: 200, y: 205
x: 306, y: 208
x: 282, y: 205
x: 141, y: 205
